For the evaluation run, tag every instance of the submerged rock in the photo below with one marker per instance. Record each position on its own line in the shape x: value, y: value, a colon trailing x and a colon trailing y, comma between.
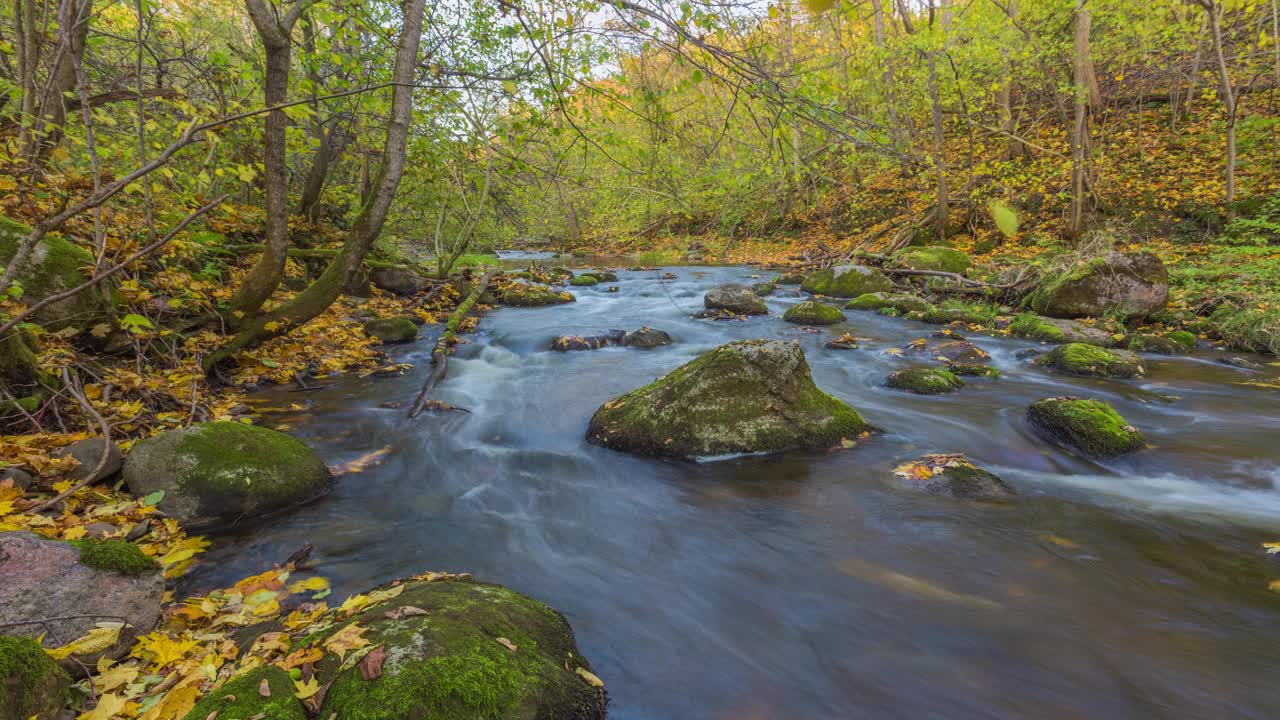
x: 1057, y: 330
x: 392, y: 330
x: 934, y: 257
x: 948, y: 349
x: 584, y: 280
x: 952, y: 476
x: 82, y: 582
x: 458, y: 649
x: 737, y: 299
x: 1179, y: 342
x: 1091, y: 426
x: 1134, y: 285
x: 216, y: 474
x: 1091, y: 361
x: 847, y: 281
x: 31, y: 683
x: 745, y: 396
x: 646, y: 337
x: 925, y: 381
x: 531, y: 295
x: 811, y: 312
x: 764, y: 289
x: 603, y: 275
x: 973, y: 370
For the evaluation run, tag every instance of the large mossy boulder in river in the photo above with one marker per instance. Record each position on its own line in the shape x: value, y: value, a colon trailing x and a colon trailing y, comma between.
x: 518, y: 294
x: 934, y: 257
x: 1091, y: 361
x: 1091, y: 426
x: 455, y: 650
x: 31, y: 683
x: 847, y: 281
x: 880, y: 300
x: 812, y: 312
x: 1056, y: 330
x: 1134, y: 285
x: 56, y: 265
x: 74, y: 585
x: 215, y: 474
x: 745, y: 396
x: 737, y: 299
x: 925, y: 381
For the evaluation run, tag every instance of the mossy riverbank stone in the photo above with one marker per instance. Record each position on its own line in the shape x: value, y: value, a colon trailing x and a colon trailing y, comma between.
x: 1091, y: 361
x: 1091, y: 426
x: 532, y: 295
x: 1030, y: 326
x: 925, y: 381
x: 879, y: 300
x: 56, y: 265
x: 392, y: 330
x: 846, y: 281
x: 811, y: 312
x: 745, y: 396
x: 1133, y: 285
x: 32, y: 685
x: 465, y: 651
x: 242, y: 699
x: 934, y: 257
x: 216, y: 474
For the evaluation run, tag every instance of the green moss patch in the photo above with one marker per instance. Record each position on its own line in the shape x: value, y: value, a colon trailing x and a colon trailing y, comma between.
x: 811, y: 312
x: 846, y: 281
x: 1093, y: 361
x: 952, y: 311
x: 934, y: 257
x: 1091, y: 426
x: 31, y: 683
x: 118, y: 556
x: 584, y: 280
x: 531, y: 295
x: 241, y: 698
x: 925, y: 381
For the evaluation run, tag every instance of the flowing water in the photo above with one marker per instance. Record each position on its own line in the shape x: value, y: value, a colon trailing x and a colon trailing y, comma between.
x: 809, y: 585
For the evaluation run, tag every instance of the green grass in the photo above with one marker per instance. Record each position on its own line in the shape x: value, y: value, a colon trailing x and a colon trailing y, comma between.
x: 658, y: 257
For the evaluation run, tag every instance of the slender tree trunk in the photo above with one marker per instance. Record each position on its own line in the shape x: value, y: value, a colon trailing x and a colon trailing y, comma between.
x: 342, y: 269
x: 1228, y: 96
x: 943, y: 211
x: 28, y: 51
x: 264, y: 277
x: 1014, y: 147
x: 1080, y: 131
x: 73, y: 29
x: 1194, y: 79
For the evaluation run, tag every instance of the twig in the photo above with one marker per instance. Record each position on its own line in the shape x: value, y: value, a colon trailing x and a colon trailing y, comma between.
x: 102, y: 460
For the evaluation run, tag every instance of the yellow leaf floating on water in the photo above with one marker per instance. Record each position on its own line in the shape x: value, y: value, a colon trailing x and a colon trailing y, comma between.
x: 361, y: 463
x: 1273, y: 548
x: 95, y: 641
x: 311, y: 584
x: 347, y: 639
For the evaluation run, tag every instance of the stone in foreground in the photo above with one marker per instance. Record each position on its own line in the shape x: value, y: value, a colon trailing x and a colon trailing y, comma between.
x: 738, y: 299
x: 458, y: 649
x: 242, y: 697
x: 742, y: 397
x: 85, y: 582
x: 847, y: 281
x: 216, y: 474
x: 1091, y: 426
x: 31, y: 683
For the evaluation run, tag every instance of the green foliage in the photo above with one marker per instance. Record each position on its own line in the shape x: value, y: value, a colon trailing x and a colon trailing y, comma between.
x: 119, y: 556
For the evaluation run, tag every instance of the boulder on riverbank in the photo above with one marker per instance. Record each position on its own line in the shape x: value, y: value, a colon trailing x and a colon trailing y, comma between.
x: 88, y: 453
x: 398, y: 281
x: 1091, y: 426
x: 216, y: 474
x: 532, y: 295
x: 847, y: 281
x: 812, y: 312
x: 455, y: 649
x: 1091, y: 361
x: 1057, y: 330
x: 55, y: 266
x: 1133, y: 285
x: 83, y: 582
x: 31, y: 683
x: 737, y: 299
x: 392, y: 330
x: 934, y: 257
x: 745, y: 396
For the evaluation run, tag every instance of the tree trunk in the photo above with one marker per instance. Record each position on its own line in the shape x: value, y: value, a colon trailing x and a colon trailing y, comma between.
x: 341, y: 270
x: 1080, y: 131
x: 1014, y: 147
x: 264, y: 277
x: 1228, y: 96
x: 28, y: 51
x: 73, y: 29
x: 939, y: 160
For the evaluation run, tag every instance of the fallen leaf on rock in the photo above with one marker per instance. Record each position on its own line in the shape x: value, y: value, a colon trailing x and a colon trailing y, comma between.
x: 264, y: 688
x: 590, y: 677
x: 347, y: 639
x: 506, y: 644
x: 371, y: 664
x: 405, y: 611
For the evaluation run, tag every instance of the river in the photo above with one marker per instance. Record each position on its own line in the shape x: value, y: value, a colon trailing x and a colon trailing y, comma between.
x: 808, y: 585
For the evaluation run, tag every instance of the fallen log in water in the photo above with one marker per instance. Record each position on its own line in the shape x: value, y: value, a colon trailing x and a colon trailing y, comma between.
x: 440, y: 355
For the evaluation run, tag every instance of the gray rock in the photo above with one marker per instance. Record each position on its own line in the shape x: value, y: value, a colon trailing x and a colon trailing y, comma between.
x: 1134, y: 285
x: 646, y: 337
x: 21, y: 479
x: 400, y: 282
x: 739, y: 299
x: 89, y: 453
x: 48, y: 579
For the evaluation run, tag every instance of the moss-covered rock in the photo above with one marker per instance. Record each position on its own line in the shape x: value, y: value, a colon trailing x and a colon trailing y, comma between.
x: 897, y: 301
x: 218, y: 473
x: 31, y: 683
x: 764, y: 289
x: 1057, y: 330
x: 56, y: 265
x: 18, y: 364
x: 584, y: 280
x: 953, y: 476
x: 531, y: 295
x: 949, y: 349
x: 241, y: 698
x: 603, y: 275
x: 745, y: 396
x: 1091, y: 426
x: 646, y: 337
x: 479, y: 651
x: 736, y: 298
x: 790, y: 278
x: 1093, y: 361
x: 811, y: 312
x: 118, y: 556
x: 973, y: 370
x: 847, y: 281
x: 1186, y: 339
x: 392, y: 330
x: 1133, y: 285
x: 1159, y: 344
x: 952, y: 311
x: 934, y: 257
x: 925, y: 381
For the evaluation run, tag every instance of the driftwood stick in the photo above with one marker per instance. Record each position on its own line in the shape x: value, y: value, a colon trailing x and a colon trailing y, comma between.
x: 440, y: 355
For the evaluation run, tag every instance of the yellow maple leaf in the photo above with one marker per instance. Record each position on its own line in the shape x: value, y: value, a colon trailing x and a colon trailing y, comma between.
x: 347, y: 639
x: 305, y: 689
x: 114, y: 677
x: 109, y: 705
x: 161, y: 649
x: 175, y: 704
x: 95, y: 641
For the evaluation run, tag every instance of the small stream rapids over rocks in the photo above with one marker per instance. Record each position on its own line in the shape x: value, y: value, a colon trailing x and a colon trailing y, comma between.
x: 807, y: 585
